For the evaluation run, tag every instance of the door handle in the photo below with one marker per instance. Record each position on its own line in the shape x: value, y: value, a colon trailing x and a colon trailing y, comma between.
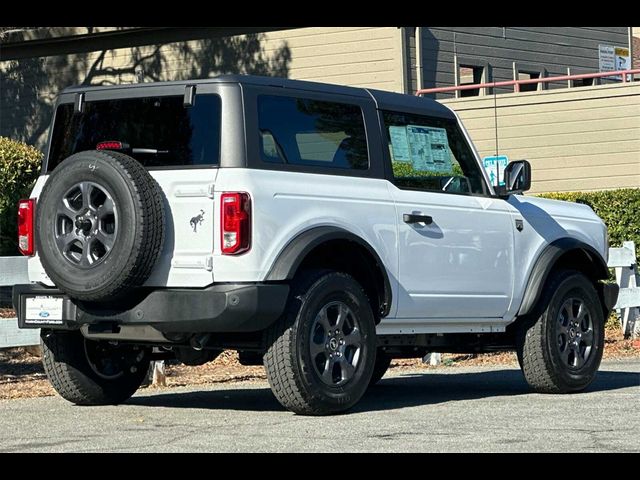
x: 411, y: 218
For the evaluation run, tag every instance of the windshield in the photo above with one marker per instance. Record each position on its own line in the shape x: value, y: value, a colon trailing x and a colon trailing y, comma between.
x: 159, y: 131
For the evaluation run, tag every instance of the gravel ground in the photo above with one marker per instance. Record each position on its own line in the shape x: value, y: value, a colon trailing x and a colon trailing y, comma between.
x: 486, y: 409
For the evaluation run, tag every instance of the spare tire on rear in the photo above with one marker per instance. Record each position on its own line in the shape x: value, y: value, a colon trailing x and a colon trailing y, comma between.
x: 99, y: 225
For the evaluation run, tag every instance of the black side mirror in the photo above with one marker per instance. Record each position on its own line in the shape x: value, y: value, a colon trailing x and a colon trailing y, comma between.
x: 517, y: 178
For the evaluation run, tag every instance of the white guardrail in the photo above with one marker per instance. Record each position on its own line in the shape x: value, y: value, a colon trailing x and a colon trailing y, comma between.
x: 625, y: 263
x: 13, y: 270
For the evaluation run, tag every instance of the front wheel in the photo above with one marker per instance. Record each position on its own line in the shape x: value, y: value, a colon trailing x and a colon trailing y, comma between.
x: 322, y: 351
x: 87, y: 372
x: 560, y: 351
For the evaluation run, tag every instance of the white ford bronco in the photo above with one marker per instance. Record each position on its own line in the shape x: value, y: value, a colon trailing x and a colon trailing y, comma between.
x: 316, y: 229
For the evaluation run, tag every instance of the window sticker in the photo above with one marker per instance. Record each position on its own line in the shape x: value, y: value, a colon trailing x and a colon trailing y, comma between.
x: 429, y: 149
x: 400, y: 144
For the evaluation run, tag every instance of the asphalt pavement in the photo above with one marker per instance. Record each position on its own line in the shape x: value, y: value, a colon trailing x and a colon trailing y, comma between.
x: 443, y: 410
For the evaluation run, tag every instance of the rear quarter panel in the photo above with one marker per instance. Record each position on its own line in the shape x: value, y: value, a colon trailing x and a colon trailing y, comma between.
x: 285, y: 204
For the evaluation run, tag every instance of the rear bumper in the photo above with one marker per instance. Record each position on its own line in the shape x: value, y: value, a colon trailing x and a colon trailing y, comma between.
x: 218, y: 308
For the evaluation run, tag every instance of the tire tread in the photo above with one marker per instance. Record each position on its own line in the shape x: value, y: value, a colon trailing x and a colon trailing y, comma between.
x: 150, y: 232
x: 68, y: 372
x: 533, y: 354
x: 285, y: 377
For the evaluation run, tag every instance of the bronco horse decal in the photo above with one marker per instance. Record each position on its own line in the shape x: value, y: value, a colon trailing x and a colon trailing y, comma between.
x: 197, y: 220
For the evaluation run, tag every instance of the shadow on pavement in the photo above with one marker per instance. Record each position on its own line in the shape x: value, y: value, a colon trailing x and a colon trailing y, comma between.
x: 389, y: 394
x: 253, y: 399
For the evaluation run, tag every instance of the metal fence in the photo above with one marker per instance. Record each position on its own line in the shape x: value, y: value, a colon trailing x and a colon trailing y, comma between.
x: 624, y: 75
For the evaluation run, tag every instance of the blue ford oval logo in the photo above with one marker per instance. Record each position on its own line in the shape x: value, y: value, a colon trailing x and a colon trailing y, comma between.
x: 44, y: 314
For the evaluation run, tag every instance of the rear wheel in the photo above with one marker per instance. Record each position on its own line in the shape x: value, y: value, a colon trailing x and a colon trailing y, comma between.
x: 87, y: 372
x: 560, y: 351
x: 321, y: 352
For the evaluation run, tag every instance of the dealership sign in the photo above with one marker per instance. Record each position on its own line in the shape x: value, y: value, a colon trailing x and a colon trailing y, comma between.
x: 495, y: 166
x: 613, y: 59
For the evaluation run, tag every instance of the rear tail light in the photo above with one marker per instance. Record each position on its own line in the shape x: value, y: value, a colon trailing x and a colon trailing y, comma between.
x: 26, y: 216
x: 112, y: 145
x: 235, y: 223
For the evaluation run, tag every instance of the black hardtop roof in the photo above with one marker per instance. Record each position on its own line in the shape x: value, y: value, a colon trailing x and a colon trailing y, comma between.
x: 384, y: 100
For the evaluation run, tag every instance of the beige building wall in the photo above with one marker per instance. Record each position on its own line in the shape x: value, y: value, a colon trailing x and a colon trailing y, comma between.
x: 576, y: 139
x: 358, y: 56
x: 364, y: 56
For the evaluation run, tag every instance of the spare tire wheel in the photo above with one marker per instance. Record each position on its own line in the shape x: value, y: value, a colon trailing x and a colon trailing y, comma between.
x: 100, y: 225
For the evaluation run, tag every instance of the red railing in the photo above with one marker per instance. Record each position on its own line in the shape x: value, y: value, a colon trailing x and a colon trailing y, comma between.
x: 516, y: 83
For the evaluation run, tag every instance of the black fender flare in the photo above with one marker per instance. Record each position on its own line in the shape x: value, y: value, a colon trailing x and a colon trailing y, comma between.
x: 293, y: 254
x: 547, y: 261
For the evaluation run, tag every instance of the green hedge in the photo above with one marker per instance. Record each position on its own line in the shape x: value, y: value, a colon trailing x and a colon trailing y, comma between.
x: 19, y: 168
x: 405, y: 169
x: 619, y: 209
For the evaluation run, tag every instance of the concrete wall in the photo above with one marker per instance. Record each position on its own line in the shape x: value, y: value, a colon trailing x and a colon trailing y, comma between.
x: 576, y: 139
x: 362, y: 56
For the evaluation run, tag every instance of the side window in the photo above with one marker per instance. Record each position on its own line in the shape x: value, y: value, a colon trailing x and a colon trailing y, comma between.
x: 431, y: 154
x: 298, y: 131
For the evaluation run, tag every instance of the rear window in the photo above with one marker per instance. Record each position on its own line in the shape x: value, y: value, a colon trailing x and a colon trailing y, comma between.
x: 171, y: 134
x: 298, y: 131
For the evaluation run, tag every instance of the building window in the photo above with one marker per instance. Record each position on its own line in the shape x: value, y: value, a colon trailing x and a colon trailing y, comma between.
x: 529, y: 72
x: 582, y: 82
x: 471, y: 73
x: 529, y: 87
